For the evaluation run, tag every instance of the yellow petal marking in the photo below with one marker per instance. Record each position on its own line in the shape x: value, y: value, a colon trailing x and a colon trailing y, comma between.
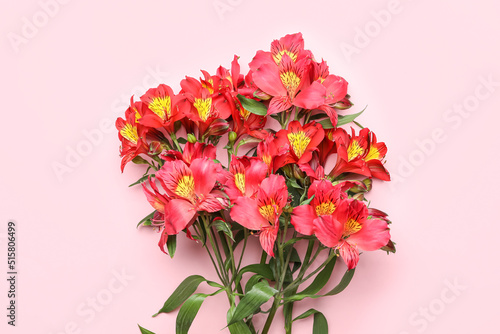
x: 351, y: 227
x: 373, y: 153
x: 185, y: 187
x: 299, y: 142
x: 239, y: 180
x: 325, y: 208
x: 129, y: 132
x: 291, y: 81
x: 204, y: 107
x: 354, y: 150
x: 277, y: 57
x: 161, y: 106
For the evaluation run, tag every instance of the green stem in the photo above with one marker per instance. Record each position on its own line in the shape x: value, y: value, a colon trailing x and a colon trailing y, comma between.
x: 176, y: 143
x: 271, y: 315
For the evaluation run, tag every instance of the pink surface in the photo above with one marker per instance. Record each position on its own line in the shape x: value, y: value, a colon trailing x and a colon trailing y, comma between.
x: 427, y: 70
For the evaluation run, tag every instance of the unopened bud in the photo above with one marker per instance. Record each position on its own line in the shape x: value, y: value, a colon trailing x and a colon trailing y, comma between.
x: 232, y: 136
x: 155, y: 148
x: 191, y: 138
x: 297, y: 173
x: 218, y: 127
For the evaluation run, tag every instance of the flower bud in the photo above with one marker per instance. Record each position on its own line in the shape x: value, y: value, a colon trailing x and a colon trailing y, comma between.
x: 155, y: 148
x: 218, y: 127
x: 191, y: 138
x: 232, y: 136
x: 297, y: 173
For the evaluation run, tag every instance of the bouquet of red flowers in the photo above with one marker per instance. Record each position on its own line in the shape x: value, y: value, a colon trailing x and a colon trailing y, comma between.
x: 302, y: 178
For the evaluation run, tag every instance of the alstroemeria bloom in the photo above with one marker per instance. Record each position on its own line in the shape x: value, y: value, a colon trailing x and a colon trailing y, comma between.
x: 301, y: 140
x: 270, y: 151
x: 244, y: 177
x: 191, y: 189
x: 131, y: 134
x: 350, y: 231
x: 191, y: 151
x: 202, y: 104
x: 327, y: 198
x: 162, y: 110
x: 359, y: 154
x: 262, y: 212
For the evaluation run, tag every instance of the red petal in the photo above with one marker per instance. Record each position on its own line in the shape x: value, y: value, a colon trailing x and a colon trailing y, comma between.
x: 328, y: 230
x: 312, y: 97
x: 373, y: 235
x: 178, y: 215
x: 302, y: 219
x: 246, y: 213
x: 267, y: 238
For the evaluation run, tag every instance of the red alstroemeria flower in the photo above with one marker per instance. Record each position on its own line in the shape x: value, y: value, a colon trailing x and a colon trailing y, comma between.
x: 191, y: 189
x: 202, y: 103
x: 285, y: 81
x: 292, y: 45
x: 244, y: 177
x: 191, y: 151
x: 262, y: 212
x: 301, y: 140
x: 131, y: 134
x: 359, y: 154
x: 162, y: 109
x: 349, y: 230
x: 270, y: 151
x: 327, y: 198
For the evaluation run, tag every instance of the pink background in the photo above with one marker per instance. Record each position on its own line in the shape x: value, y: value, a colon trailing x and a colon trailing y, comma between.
x: 418, y: 63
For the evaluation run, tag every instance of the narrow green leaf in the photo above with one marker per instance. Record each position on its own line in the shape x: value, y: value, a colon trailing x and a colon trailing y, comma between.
x: 320, y: 325
x: 321, y: 279
x: 171, y: 245
x: 306, y: 314
x: 307, y: 201
x: 146, y: 219
x: 252, y: 281
x: 140, y: 160
x: 142, y: 179
x: 183, y: 291
x: 237, y: 328
x: 188, y: 312
x: 258, y: 295
x: 144, y: 330
x: 255, y: 107
x: 345, y: 119
x: 181, y: 140
x: 262, y: 269
x: 222, y: 226
x: 344, y: 282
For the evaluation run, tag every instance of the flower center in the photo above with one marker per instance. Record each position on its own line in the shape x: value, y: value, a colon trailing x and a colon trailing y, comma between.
x: 373, y: 153
x: 291, y: 82
x: 299, y: 142
x: 204, y: 107
x: 269, y: 211
x: 277, y: 57
x: 354, y: 150
x: 185, y: 187
x: 161, y: 107
x: 351, y: 227
x: 325, y: 208
x: 239, y: 180
x: 129, y: 132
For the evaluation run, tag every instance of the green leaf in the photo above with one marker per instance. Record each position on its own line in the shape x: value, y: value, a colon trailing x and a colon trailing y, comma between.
x: 262, y: 269
x: 251, y: 302
x: 237, y: 328
x: 188, y: 312
x: 171, y: 245
x: 142, y: 179
x: 255, y: 107
x: 146, y: 219
x: 183, y: 291
x: 320, y: 325
x: 181, y: 140
x: 294, y: 184
x: 307, y: 201
x: 252, y: 281
x: 319, y: 281
x: 345, y: 119
x: 144, y: 330
x: 222, y: 226
x: 344, y: 282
